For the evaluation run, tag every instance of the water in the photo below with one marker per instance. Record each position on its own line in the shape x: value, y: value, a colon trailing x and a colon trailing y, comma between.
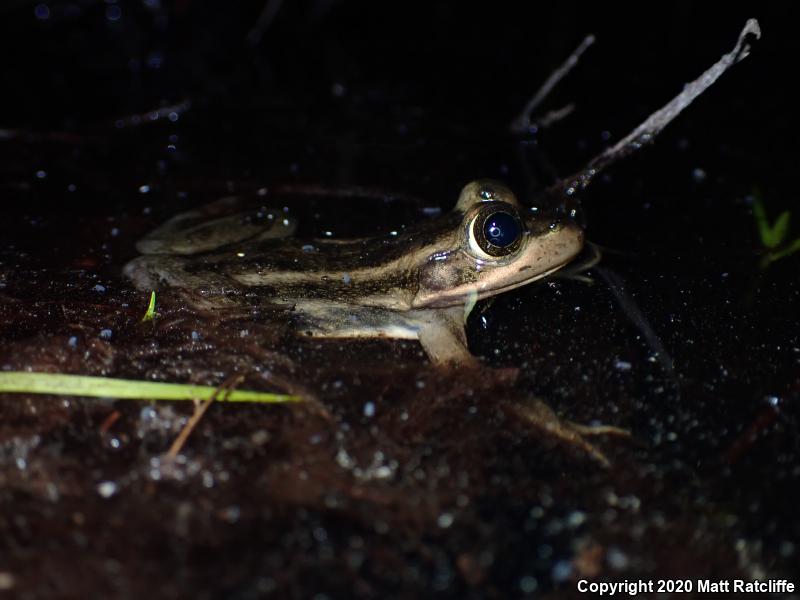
x: 401, y: 479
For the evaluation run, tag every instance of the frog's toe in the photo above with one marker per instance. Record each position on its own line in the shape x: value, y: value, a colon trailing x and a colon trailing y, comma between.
x: 540, y: 416
x: 593, y: 430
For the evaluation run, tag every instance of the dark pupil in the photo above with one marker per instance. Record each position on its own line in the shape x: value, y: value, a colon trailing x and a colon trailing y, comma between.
x: 501, y: 229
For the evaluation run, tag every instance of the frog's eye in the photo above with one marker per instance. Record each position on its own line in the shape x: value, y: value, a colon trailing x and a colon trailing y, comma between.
x: 495, y: 231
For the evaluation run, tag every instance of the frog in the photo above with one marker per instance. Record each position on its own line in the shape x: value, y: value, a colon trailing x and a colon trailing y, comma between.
x: 418, y: 284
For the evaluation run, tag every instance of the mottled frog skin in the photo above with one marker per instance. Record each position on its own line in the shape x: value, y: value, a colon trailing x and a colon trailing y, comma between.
x: 419, y: 283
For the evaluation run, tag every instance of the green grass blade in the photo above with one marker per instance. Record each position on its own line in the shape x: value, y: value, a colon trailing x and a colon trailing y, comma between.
x: 781, y: 228
x: 104, y: 387
x: 764, y: 230
x: 787, y: 251
x: 150, y: 314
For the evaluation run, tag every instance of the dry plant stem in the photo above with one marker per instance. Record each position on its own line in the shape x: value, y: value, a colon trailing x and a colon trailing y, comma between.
x: 109, y: 421
x: 652, y: 126
x: 200, y: 410
x: 265, y: 18
x: 554, y: 116
x: 523, y: 121
x: 154, y: 115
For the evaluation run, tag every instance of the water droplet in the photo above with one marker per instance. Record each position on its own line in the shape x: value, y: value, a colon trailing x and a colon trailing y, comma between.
x: 528, y: 584
x: 113, y: 13
x: 107, y: 489
x: 562, y: 570
x: 6, y: 581
x: 617, y: 559
x: 41, y: 12
x: 445, y: 520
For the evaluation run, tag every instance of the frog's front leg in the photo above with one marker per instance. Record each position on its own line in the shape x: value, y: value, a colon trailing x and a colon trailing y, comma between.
x: 440, y: 331
x: 442, y: 335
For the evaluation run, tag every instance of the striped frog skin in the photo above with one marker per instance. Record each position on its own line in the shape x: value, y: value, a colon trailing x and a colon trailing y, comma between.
x: 418, y: 284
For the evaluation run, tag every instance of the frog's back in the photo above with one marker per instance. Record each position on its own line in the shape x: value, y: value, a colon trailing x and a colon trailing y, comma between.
x: 379, y: 270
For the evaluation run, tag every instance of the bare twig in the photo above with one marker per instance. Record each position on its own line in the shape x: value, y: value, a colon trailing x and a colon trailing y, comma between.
x: 172, y: 112
x: 523, y: 121
x: 65, y: 137
x: 199, y: 410
x: 635, y: 315
x: 109, y: 421
x: 652, y: 126
x: 554, y: 116
x: 265, y: 18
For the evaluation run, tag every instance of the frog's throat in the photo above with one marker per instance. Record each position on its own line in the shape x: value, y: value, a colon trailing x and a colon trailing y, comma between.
x: 423, y: 301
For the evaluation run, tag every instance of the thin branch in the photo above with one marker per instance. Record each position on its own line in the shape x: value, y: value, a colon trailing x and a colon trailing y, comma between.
x: 523, y: 121
x: 636, y: 316
x: 172, y: 112
x: 554, y: 116
x: 268, y: 14
x: 646, y: 132
x: 200, y: 409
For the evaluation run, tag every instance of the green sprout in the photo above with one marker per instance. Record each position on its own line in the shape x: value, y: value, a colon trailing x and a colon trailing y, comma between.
x: 773, y: 236
x: 61, y: 384
x: 150, y: 313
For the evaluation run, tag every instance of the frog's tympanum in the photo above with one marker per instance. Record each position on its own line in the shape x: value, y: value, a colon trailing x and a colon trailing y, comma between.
x: 419, y: 283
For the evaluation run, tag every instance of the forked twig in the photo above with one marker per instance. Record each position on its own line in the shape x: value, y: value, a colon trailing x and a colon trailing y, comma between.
x: 265, y: 18
x: 522, y: 122
x: 652, y: 126
x: 199, y: 410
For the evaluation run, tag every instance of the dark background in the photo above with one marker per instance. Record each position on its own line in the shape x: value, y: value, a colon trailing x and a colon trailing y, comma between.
x: 411, y: 76
x: 415, y: 98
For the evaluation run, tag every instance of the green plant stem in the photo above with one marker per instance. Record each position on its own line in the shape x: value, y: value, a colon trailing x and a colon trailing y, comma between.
x: 104, y: 387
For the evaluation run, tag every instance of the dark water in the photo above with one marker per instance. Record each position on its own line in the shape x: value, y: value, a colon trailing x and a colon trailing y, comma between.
x: 400, y: 481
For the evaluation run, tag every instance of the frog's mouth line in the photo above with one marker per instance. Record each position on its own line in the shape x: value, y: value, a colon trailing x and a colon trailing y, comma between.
x: 511, y: 286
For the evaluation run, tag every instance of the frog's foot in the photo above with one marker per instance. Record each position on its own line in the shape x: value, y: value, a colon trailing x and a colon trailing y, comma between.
x: 588, y: 430
x: 540, y: 416
x: 213, y: 226
x: 157, y: 272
